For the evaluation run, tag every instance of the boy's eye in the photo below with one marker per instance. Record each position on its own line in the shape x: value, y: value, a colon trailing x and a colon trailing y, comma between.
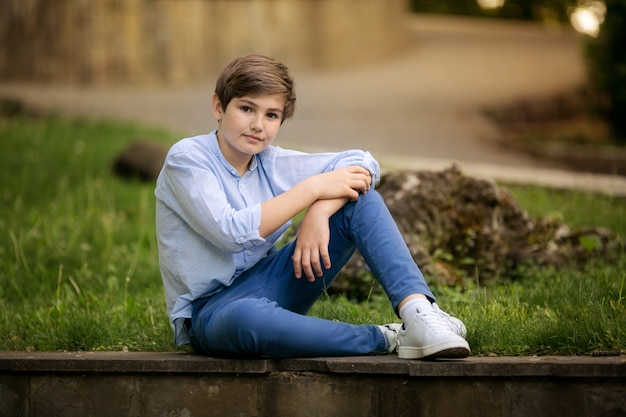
x: 246, y: 108
x: 272, y: 115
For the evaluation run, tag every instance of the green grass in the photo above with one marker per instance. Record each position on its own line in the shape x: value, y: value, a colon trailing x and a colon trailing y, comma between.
x: 79, y: 271
x: 547, y: 311
x: 78, y: 255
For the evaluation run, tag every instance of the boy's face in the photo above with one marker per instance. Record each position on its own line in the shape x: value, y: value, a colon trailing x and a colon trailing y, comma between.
x: 248, y: 125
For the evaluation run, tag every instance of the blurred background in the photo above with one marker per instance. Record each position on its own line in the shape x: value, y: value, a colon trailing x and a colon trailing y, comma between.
x: 144, y: 41
x: 474, y: 81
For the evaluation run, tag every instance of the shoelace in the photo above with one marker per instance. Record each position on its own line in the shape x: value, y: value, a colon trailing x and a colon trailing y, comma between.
x: 435, y: 321
x: 457, y: 328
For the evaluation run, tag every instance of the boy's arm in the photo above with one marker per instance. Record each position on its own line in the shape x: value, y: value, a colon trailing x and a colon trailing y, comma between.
x: 342, y: 183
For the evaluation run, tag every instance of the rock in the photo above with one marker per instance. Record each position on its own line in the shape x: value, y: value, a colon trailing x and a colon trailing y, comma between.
x: 11, y: 107
x: 459, y: 228
x: 142, y: 160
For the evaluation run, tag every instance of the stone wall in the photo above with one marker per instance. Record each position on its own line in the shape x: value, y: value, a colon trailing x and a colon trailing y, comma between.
x: 113, y: 42
x: 175, y: 384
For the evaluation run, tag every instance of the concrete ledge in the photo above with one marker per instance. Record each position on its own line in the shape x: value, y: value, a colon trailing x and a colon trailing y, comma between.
x: 180, y: 384
x: 186, y: 363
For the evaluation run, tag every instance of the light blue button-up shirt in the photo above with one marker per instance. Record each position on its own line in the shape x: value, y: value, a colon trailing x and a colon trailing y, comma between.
x: 208, y: 216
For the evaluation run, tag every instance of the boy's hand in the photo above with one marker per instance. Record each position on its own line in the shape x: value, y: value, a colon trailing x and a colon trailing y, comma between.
x: 348, y: 182
x: 333, y: 189
x: 311, y: 254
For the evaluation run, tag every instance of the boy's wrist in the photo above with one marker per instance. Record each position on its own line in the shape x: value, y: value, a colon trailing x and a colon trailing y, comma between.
x: 311, y: 188
x: 327, y: 207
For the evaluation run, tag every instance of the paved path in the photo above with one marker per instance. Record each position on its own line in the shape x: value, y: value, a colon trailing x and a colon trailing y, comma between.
x: 418, y: 110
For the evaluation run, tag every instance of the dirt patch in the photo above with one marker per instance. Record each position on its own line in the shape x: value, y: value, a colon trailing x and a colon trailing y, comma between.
x: 562, y: 129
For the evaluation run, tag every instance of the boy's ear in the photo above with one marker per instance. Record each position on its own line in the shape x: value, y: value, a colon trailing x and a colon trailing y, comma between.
x: 216, y: 107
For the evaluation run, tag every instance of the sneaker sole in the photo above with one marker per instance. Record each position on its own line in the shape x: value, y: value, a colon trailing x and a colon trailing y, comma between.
x: 440, y: 351
x: 452, y: 353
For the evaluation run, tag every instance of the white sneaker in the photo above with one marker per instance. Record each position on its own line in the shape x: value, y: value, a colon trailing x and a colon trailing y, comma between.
x: 430, y: 335
x: 391, y: 333
x: 455, y: 324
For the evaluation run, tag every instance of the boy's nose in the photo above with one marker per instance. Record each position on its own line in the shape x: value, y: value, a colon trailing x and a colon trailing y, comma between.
x: 256, y: 124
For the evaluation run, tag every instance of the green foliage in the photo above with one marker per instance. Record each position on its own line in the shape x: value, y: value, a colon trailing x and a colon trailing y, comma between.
x: 575, y: 208
x: 606, y: 63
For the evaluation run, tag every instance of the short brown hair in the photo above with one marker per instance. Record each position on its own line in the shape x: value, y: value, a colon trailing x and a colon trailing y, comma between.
x: 256, y: 74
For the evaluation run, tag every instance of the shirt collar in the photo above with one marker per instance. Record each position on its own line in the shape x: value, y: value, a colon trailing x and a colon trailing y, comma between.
x: 215, y: 149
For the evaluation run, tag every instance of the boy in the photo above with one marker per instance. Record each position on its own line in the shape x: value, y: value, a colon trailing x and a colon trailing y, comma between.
x: 224, y: 199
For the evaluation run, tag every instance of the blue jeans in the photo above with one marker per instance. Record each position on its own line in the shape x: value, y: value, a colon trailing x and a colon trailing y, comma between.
x: 264, y: 312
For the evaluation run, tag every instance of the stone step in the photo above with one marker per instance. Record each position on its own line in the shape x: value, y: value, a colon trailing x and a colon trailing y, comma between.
x: 182, y: 384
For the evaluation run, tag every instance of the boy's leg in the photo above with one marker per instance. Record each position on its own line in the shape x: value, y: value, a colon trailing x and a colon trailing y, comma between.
x: 427, y: 332
x: 252, y: 327
x: 369, y: 224
x: 263, y: 313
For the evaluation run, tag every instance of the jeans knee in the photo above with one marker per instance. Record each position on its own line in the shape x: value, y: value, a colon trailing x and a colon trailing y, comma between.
x: 235, y: 327
x: 241, y: 314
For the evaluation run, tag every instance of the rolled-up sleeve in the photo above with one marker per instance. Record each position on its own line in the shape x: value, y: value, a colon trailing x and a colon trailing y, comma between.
x: 288, y: 167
